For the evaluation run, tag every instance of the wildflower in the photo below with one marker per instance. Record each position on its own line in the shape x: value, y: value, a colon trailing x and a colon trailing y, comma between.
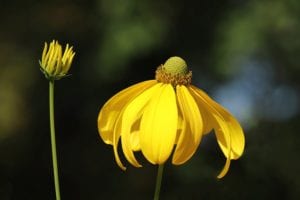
x: 54, y: 64
x: 156, y: 116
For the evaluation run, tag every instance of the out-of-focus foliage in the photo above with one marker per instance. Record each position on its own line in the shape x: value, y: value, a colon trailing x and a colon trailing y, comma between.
x: 243, y: 53
x: 263, y: 29
x: 129, y: 29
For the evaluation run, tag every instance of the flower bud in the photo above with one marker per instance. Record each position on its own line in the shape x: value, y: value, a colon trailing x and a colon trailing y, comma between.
x: 55, y: 64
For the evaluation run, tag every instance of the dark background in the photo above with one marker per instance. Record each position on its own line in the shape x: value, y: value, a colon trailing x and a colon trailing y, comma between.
x: 245, y: 54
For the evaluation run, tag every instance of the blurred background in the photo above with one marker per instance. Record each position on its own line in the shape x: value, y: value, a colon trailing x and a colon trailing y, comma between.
x: 244, y: 53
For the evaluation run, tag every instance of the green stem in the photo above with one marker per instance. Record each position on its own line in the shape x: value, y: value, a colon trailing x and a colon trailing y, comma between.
x: 158, y: 181
x: 53, y: 141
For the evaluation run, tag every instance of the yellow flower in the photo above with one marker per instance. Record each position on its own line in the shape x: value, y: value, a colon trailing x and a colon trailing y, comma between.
x: 158, y: 115
x: 55, y: 64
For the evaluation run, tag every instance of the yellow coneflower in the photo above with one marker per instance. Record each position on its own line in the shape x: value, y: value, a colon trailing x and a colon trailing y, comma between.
x: 158, y: 115
x: 55, y: 64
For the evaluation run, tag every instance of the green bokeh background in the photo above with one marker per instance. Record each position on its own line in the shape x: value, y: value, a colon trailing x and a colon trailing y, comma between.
x: 243, y: 53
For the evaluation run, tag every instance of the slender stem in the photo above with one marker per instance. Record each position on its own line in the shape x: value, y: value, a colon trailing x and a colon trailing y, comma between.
x: 158, y: 181
x: 53, y: 141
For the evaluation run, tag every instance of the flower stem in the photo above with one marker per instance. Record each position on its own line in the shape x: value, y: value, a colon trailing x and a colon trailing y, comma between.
x: 53, y: 141
x: 158, y: 181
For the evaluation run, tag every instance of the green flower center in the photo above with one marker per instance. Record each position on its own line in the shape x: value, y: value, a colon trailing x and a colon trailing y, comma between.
x: 175, y: 65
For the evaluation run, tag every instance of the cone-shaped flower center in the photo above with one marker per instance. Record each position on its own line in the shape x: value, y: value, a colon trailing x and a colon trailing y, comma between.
x: 174, y: 71
x: 175, y: 65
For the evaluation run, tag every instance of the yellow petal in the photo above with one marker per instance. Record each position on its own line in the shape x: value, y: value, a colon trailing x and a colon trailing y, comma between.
x: 159, y: 125
x: 135, y: 141
x: 116, y: 137
x: 180, y: 126
x: 53, y: 58
x: 229, y: 133
x: 225, y: 169
x: 132, y: 113
x: 207, y: 120
x: 135, y: 137
x: 192, y: 127
x: 112, y: 108
x: 58, y: 64
x: 44, y: 55
x: 237, y: 139
x: 235, y: 131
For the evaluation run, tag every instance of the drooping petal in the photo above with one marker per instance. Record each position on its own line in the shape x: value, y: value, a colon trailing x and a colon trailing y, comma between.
x: 180, y: 126
x: 135, y: 136
x: 110, y: 111
x: 192, y: 128
x: 219, y: 125
x: 237, y: 137
x: 229, y: 133
x: 207, y: 120
x: 159, y: 125
x: 132, y: 112
x: 225, y: 169
x: 135, y: 141
x: 116, y: 137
